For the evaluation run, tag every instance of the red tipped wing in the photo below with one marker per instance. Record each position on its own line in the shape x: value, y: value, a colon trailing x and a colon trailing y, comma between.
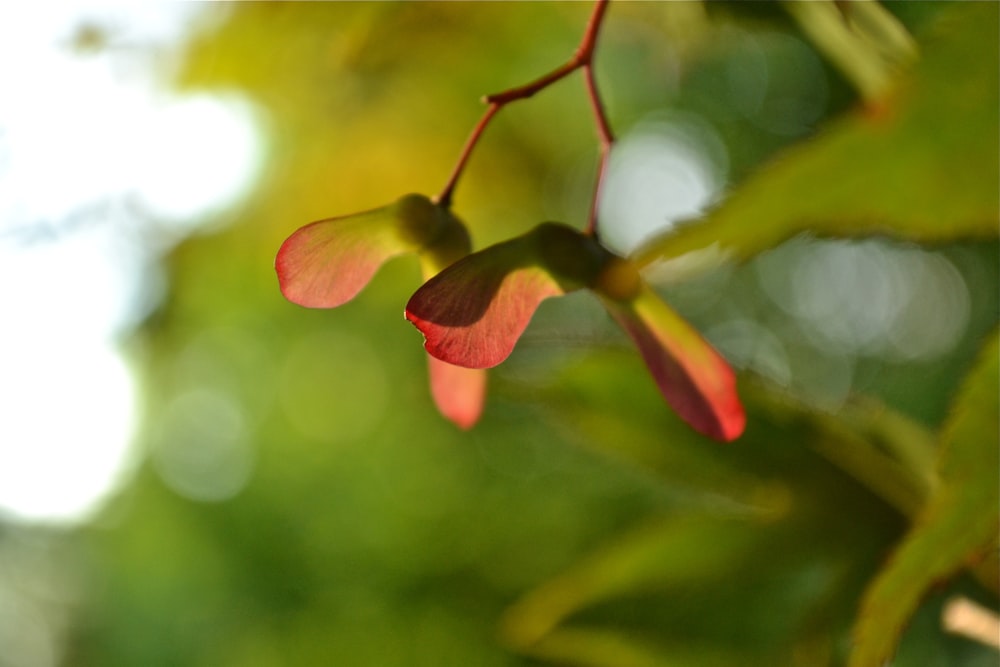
x: 473, y: 312
x: 695, y: 380
x: 326, y: 263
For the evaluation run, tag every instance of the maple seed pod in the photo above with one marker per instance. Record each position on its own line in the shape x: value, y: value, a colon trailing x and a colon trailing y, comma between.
x: 419, y: 219
x: 619, y: 279
x: 573, y: 258
x: 450, y: 245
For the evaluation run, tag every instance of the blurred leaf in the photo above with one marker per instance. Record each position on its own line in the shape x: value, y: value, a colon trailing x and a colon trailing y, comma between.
x: 591, y: 647
x: 609, y: 403
x: 921, y: 166
x: 680, y: 549
x: 883, y: 449
x: 957, y: 525
x: 604, y: 404
x: 863, y: 39
x: 768, y: 568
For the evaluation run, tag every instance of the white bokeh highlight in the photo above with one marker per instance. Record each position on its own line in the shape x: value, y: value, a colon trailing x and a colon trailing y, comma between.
x: 92, y: 149
x: 664, y: 170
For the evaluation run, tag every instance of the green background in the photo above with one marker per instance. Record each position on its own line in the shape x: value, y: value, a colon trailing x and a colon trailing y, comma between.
x: 580, y: 522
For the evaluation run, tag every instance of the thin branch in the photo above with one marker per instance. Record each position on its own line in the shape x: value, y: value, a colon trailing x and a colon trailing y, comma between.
x: 583, y: 57
x: 529, y: 89
x: 585, y: 53
x: 604, y: 133
x: 606, y: 139
x: 444, y: 199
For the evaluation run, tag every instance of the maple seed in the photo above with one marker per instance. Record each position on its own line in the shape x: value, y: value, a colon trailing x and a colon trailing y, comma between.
x: 450, y: 245
x: 420, y: 220
x: 473, y: 313
x: 619, y: 279
x: 574, y: 259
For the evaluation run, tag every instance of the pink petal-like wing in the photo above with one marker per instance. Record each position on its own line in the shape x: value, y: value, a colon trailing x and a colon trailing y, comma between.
x: 473, y: 312
x: 326, y: 263
x: 458, y: 392
x: 694, y: 378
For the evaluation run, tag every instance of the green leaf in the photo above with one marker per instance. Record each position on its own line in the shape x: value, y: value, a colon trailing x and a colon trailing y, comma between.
x: 593, y: 647
x: 890, y: 454
x: 863, y: 39
x: 669, y: 552
x: 921, y: 165
x: 958, y: 524
x: 606, y: 403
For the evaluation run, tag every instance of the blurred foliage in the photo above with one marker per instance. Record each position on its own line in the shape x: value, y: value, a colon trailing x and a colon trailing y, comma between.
x: 894, y: 167
x: 300, y: 502
x: 958, y: 525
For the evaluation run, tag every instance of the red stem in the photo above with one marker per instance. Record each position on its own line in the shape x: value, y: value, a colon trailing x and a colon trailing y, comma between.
x: 444, y: 199
x: 529, y: 89
x: 606, y: 140
x: 582, y: 58
x: 585, y: 52
x: 604, y: 133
